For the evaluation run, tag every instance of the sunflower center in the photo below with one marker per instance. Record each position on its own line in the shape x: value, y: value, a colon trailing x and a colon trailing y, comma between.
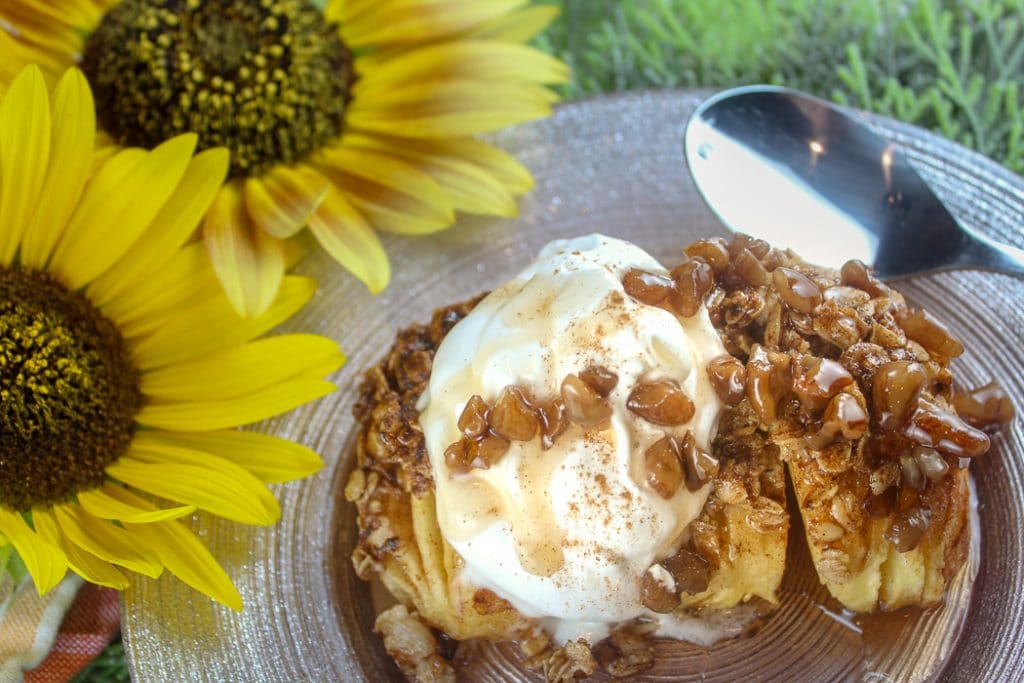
x: 268, y: 79
x: 68, y: 391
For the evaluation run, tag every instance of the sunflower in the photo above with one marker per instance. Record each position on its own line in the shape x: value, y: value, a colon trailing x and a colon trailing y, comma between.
x: 352, y: 119
x: 123, y: 367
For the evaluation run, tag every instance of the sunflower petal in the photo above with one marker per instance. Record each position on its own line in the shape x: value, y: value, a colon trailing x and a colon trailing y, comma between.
x: 495, y: 162
x: 520, y: 26
x: 24, y: 155
x: 211, y: 324
x: 281, y: 202
x: 113, y: 214
x: 106, y: 541
x: 259, y: 405
x: 177, y: 220
x: 104, y: 503
x: 86, y: 565
x: 378, y: 167
x: 244, y: 369
x: 187, y: 558
x: 469, y: 186
x: 216, y: 485
x: 466, y: 59
x: 270, y: 459
x: 385, y: 203
x: 249, y: 263
x: 343, y: 232
x: 74, y: 128
x: 440, y: 109
x: 176, y: 286
x: 45, y: 562
x: 413, y: 21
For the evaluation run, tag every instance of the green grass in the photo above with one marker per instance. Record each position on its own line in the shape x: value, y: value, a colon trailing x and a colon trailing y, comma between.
x: 954, y: 66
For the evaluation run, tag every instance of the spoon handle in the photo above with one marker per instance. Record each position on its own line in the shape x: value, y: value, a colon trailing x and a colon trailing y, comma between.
x: 986, y: 253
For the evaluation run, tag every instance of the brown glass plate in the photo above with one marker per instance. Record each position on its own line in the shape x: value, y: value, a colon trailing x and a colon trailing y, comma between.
x: 611, y: 165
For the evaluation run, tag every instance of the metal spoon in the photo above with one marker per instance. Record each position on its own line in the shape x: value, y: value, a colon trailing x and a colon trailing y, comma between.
x: 798, y: 172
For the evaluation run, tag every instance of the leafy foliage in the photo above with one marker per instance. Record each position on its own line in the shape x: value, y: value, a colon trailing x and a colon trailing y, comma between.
x: 954, y: 66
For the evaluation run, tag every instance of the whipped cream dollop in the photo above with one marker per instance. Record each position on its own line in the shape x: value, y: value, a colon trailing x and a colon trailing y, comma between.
x: 566, y: 534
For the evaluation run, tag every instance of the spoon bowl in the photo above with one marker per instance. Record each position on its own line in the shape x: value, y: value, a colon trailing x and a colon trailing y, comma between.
x: 800, y: 172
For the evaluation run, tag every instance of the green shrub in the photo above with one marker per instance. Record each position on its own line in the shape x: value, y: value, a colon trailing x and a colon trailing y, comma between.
x: 954, y: 66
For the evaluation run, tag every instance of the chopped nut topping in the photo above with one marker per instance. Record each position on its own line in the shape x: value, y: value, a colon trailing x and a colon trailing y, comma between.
x: 845, y: 416
x: 664, y: 467
x: 907, y: 530
x: 751, y: 270
x: 931, y: 334
x: 467, y: 454
x: 984, y: 407
x: 728, y: 378
x: 714, y: 251
x: 693, y: 281
x: 647, y: 288
x: 897, y: 386
x: 757, y: 247
x: 553, y: 421
x: 512, y: 416
x: 661, y: 402
x: 912, y: 475
x: 855, y: 274
x: 473, y: 421
x: 600, y: 379
x: 689, y: 571
x: 700, y: 467
x: 816, y: 380
x: 768, y: 381
x: 930, y: 462
x: 796, y: 289
x: 583, y: 405
x: 943, y: 430
x: 655, y: 595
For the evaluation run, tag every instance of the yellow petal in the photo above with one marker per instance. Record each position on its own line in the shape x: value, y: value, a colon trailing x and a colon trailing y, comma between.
x: 281, y: 202
x: 396, y: 177
x: 106, y: 541
x: 188, y: 559
x: 412, y: 21
x: 233, y: 412
x: 24, y: 155
x: 118, y: 204
x: 495, y: 162
x: 104, y: 503
x: 270, y: 459
x: 86, y: 565
x: 174, y: 224
x: 392, y: 195
x: 206, y: 481
x: 347, y: 237
x: 249, y: 262
x: 469, y: 185
x: 469, y: 59
x: 67, y: 12
x: 45, y: 562
x: 520, y: 26
x: 244, y: 369
x: 74, y: 128
x: 439, y: 109
x: 168, y: 293
x: 211, y: 324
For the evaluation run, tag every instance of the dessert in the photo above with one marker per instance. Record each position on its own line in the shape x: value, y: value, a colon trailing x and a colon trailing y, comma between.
x: 596, y: 453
